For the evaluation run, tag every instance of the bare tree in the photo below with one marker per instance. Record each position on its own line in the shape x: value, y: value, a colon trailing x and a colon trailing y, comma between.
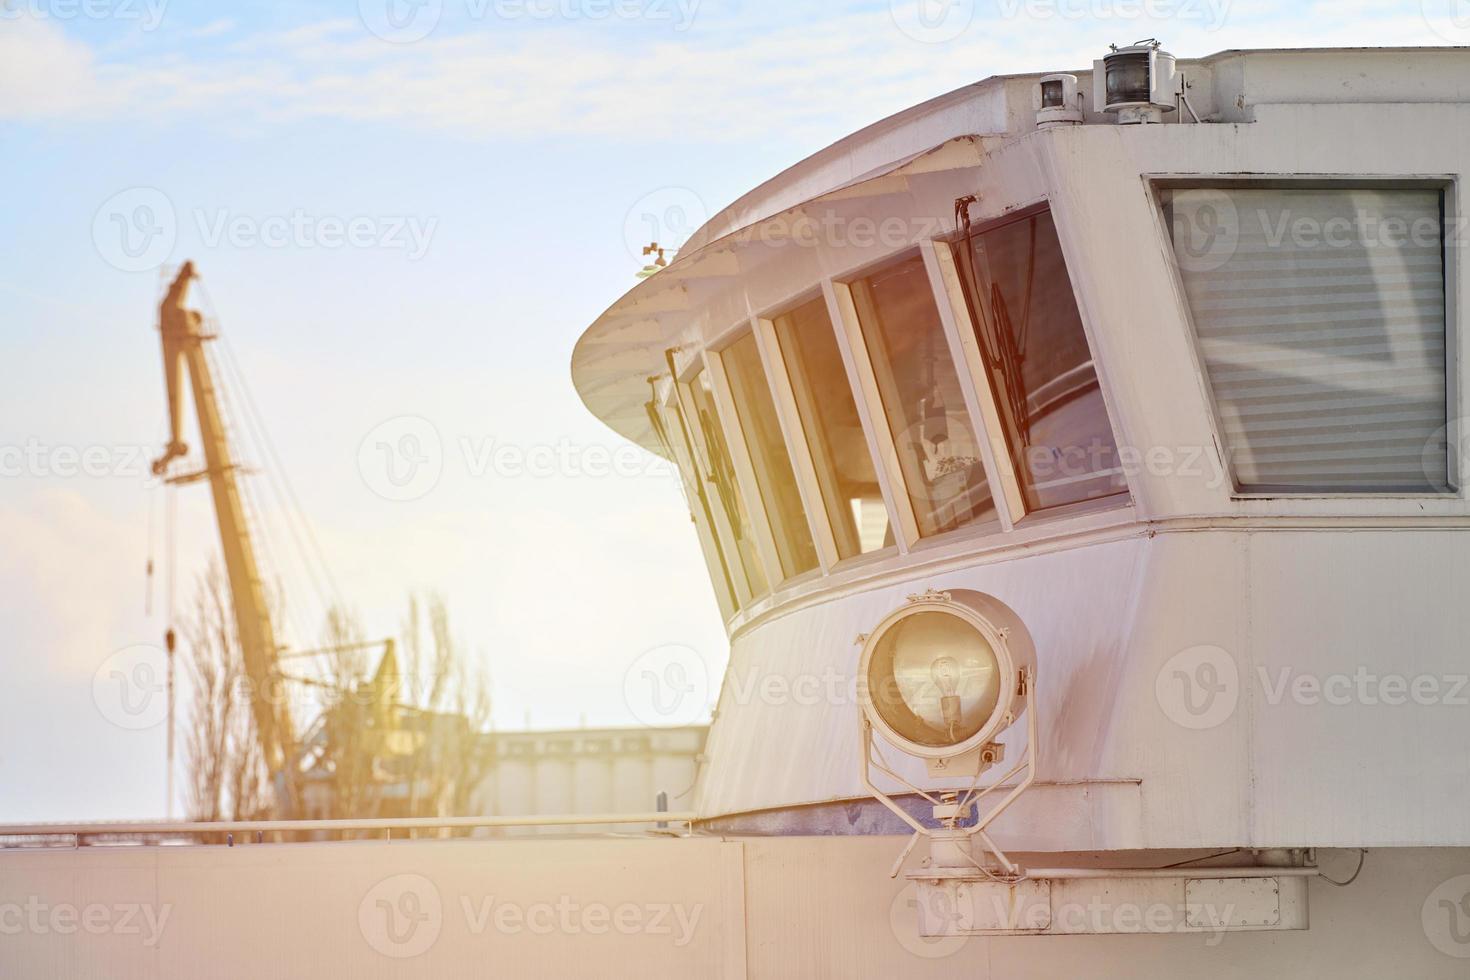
x: 352, y: 729
x: 398, y: 733
x: 227, y: 777
x: 447, y: 703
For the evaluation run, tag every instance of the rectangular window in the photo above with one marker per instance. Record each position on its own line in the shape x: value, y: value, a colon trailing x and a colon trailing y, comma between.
x: 834, y: 431
x: 669, y: 429
x: 925, y: 409
x: 720, y: 470
x: 756, y: 411
x: 1039, y: 365
x: 1320, y: 316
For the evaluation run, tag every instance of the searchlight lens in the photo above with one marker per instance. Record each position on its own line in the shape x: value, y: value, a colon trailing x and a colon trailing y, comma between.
x: 934, y: 679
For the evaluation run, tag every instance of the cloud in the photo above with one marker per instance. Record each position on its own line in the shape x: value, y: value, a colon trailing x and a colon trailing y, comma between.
x: 43, y: 73
x: 725, y: 79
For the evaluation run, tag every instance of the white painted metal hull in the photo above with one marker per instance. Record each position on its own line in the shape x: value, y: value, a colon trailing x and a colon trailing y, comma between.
x: 761, y: 908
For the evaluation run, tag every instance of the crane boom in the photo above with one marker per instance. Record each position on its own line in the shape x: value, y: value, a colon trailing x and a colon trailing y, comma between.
x: 183, y: 338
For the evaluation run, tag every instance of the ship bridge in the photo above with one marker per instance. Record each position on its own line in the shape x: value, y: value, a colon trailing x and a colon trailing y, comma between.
x: 1179, y: 383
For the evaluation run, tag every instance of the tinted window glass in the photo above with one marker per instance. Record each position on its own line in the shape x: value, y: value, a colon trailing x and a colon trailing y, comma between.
x: 721, y: 471
x: 834, y: 432
x: 1039, y: 364
x: 768, y: 456
x: 922, y: 402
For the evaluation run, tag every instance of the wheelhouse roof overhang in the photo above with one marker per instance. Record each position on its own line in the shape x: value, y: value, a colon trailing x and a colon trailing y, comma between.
x: 624, y: 349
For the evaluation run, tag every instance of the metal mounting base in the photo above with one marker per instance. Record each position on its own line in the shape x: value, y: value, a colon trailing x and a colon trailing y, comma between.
x: 1070, y: 902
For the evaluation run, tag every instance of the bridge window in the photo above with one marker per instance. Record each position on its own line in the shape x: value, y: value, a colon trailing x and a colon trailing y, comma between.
x: 720, y: 471
x: 924, y: 407
x: 756, y: 410
x: 829, y: 417
x: 1039, y: 365
x: 1320, y: 318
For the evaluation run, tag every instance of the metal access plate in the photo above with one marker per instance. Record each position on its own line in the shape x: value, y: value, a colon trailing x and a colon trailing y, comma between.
x: 1232, y: 903
x: 967, y: 908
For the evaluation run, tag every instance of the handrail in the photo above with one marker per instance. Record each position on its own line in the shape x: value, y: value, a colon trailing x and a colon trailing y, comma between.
x: 388, y: 824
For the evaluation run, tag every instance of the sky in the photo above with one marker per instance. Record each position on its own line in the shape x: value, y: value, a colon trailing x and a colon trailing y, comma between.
x: 404, y: 213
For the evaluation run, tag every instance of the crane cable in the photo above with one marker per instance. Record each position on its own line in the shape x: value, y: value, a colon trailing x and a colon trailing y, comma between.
x: 304, y: 535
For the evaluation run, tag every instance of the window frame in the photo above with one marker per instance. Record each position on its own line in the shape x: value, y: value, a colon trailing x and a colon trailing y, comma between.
x: 749, y: 479
x: 854, y: 342
x: 798, y: 440
x: 1448, y: 186
x: 979, y: 377
x: 722, y: 579
x: 745, y: 591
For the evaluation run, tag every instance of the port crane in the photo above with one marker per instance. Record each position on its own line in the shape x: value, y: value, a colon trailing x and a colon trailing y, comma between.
x: 184, y: 335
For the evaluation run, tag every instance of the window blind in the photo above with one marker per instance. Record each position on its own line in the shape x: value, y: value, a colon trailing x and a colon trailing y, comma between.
x: 1320, y: 316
